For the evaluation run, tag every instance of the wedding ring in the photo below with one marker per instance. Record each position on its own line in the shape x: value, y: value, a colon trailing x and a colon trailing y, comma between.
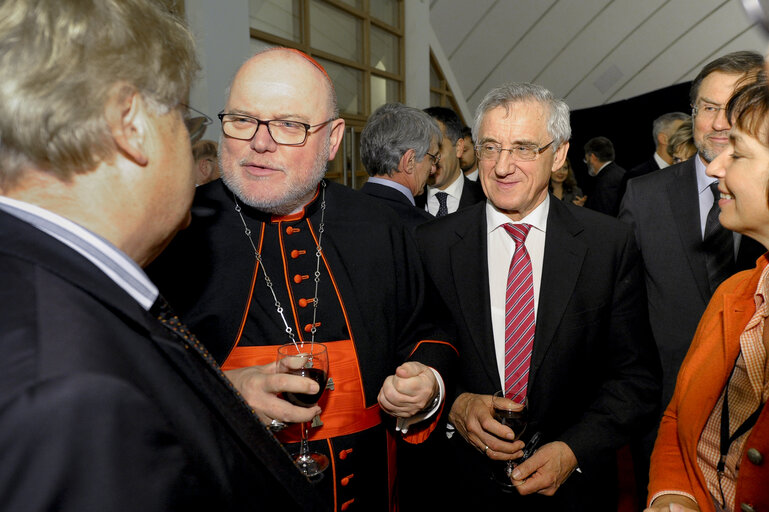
x: 486, y: 449
x: 276, y: 426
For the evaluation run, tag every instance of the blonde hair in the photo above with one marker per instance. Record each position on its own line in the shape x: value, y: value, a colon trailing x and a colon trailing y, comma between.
x: 59, y: 62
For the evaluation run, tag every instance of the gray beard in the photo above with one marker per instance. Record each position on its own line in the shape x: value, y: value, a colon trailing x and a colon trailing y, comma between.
x: 292, y: 200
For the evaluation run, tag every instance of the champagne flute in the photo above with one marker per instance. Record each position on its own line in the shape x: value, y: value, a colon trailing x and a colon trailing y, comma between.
x: 306, y: 360
x: 516, y: 416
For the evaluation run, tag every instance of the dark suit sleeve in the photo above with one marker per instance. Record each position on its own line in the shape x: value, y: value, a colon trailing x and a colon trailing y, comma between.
x: 627, y: 401
x: 90, y: 442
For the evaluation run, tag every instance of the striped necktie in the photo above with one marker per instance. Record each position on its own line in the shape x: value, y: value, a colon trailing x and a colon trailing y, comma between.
x: 519, y: 316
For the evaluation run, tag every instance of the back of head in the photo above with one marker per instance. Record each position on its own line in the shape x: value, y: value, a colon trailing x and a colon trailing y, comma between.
x: 735, y: 63
x: 601, y: 147
x: 59, y: 62
x: 664, y: 123
x: 519, y: 92
x: 204, y: 149
x: 450, y: 120
x: 682, y: 135
x: 392, y: 130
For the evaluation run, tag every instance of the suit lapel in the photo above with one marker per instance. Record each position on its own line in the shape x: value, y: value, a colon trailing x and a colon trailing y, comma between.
x: 469, y: 268
x: 564, y: 256
x: 684, y: 203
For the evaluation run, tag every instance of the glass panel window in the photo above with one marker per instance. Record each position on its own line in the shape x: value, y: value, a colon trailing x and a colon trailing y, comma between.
x: 257, y: 45
x: 280, y: 18
x: 335, y: 31
x: 358, y: 4
x: 383, y: 91
x: 384, y: 50
x: 348, y: 83
x: 387, y: 11
x: 435, y: 79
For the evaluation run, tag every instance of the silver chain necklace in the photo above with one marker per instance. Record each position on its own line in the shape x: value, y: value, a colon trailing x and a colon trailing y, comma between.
x: 268, y: 281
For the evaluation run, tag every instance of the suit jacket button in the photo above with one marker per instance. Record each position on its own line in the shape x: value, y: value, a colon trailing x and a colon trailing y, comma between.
x: 347, y: 504
x: 345, y: 453
x: 346, y: 480
x: 746, y: 508
x: 755, y: 456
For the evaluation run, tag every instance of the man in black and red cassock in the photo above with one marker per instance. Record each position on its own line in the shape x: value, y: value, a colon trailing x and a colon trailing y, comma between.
x: 274, y: 248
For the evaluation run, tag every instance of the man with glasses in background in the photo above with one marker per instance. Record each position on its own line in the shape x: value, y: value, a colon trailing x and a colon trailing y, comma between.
x: 282, y: 255
x: 399, y: 149
x: 686, y: 252
x: 107, y: 402
x: 549, y: 305
x: 448, y: 190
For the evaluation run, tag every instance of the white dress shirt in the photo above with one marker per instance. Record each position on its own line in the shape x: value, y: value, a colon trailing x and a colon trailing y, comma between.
x: 500, y: 253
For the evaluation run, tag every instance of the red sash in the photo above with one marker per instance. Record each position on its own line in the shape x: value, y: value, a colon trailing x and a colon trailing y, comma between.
x: 344, y: 407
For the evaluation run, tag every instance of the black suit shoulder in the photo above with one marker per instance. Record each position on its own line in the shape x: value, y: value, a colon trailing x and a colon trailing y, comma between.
x: 409, y: 214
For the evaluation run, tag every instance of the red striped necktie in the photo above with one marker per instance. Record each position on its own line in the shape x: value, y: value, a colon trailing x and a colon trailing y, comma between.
x: 519, y: 315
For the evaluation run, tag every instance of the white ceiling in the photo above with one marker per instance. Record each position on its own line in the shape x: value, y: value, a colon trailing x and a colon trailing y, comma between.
x: 589, y: 52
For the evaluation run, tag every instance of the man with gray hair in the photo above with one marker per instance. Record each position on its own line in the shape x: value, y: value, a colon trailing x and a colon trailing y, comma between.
x: 549, y: 306
x: 107, y: 401
x: 399, y: 148
x: 662, y: 129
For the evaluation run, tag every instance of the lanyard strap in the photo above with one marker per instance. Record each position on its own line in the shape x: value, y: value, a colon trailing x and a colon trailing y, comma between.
x: 726, y: 439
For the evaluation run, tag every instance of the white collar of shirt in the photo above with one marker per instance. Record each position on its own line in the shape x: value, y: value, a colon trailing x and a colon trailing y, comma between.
x: 108, y: 258
x: 660, y: 162
x: 454, y: 192
x: 499, y: 254
x: 393, y: 184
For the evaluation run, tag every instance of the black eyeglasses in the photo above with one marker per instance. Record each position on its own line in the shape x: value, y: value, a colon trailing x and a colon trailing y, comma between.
x: 435, y: 158
x: 196, y: 122
x: 758, y: 12
x: 282, y: 131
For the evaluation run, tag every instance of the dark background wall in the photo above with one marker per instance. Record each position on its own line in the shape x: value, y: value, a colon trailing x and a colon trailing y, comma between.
x: 627, y: 123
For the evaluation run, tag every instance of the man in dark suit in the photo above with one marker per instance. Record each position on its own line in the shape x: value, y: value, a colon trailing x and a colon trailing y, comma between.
x: 448, y: 189
x: 599, y: 157
x: 399, y: 148
x: 107, y: 402
x: 685, y: 255
x: 669, y: 211
x: 662, y: 128
x: 571, y: 335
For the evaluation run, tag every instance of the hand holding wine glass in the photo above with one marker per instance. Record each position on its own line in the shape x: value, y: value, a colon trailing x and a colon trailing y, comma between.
x: 514, y: 415
x: 308, y: 360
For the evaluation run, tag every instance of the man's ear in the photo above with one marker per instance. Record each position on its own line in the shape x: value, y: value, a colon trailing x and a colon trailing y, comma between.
x: 407, y: 162
x: 460, y: 147
x: 126, y: 115
x: 335, y: 137
x: 560, y: 156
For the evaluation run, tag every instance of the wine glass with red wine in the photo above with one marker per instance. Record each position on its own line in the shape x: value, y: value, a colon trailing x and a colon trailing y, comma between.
x: 306, y: 360
x: 515, y: 415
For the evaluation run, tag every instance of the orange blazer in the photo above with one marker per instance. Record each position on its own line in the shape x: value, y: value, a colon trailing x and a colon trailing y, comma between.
x: 702, y: 378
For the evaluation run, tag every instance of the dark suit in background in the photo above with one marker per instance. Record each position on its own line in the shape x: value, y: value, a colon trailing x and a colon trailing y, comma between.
x: 594, y: 374
x: 639, y: 170
x: 663, y: 209
x: 104, y: 408
x: 606, y: 195
x: 409, y: 214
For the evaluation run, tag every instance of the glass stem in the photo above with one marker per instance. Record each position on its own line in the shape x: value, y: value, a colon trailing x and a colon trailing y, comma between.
x: 304, y: 447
